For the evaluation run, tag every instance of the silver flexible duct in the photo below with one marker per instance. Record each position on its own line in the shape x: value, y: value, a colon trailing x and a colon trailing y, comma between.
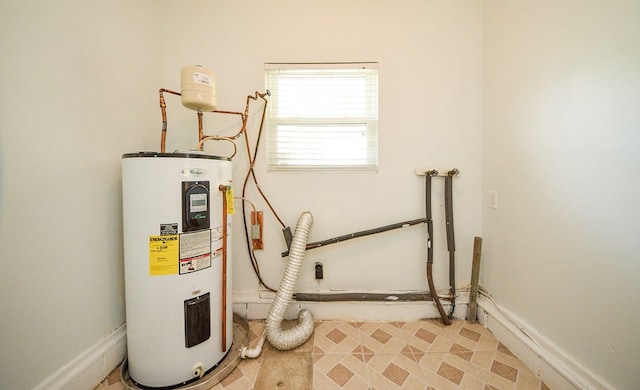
x: 284, y: 340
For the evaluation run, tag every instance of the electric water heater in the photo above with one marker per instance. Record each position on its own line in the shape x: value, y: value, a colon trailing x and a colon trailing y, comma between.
x: 179, y: 314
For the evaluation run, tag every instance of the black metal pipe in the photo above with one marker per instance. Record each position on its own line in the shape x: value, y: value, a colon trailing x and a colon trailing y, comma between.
x: 432, y: 289
x: 363, y: 233
x: 363, y: 297
x: 451, y: 242
x: 429, y: 219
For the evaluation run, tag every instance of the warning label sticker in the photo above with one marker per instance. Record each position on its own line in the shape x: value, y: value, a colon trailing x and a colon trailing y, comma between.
x: 168, y: 229
x: 163, y: 255
x: 195, y: 251
x: 193, y: 264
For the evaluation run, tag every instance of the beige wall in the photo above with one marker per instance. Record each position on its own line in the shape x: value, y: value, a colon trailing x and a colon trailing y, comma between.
x: 561, y: 141
x: 78, y: 81
x: 430, y: 63
x: 554, y: 135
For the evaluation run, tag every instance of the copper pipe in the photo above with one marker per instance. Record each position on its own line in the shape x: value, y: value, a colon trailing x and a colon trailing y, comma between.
x: 227, y: 112
x: 200, y: 131
x: 255, y: 96
x: 203, y: 137
x: 246, y: 115
x: 242, y: 117
x: 163, y: 137
x: 224, y: 188
x: 163, y: 108
x: 218, y: 138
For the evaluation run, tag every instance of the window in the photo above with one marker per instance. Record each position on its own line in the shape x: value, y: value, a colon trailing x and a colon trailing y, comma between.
x: 322, y: 117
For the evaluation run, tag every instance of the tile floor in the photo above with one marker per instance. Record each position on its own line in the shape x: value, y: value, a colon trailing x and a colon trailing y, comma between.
x: 381, y: 355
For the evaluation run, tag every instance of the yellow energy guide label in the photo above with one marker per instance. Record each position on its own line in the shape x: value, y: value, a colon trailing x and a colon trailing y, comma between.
x: 163, y: 255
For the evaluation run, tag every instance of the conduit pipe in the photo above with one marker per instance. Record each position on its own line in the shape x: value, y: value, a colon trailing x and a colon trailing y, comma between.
x: 451, y: 241
x: 432, y: 288
x: 284, y: 340
x: 364, y: 297
x: 363, y: 233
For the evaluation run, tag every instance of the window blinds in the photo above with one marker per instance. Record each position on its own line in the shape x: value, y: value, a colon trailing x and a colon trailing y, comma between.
x: 322, y: 117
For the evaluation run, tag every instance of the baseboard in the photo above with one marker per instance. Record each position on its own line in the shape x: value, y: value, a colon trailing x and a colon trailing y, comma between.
x: 254, y: 305
x: 553, y: 365
x: 88, y: 369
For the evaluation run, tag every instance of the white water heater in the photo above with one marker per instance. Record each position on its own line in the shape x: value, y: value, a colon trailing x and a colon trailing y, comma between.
x: 177, y: 270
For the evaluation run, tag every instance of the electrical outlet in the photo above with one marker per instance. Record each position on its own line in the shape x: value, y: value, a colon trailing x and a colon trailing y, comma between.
x: 493, y: 199
x: 319, y: 271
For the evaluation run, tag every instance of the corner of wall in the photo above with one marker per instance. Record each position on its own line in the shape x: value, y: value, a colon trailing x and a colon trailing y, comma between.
x: 88, y: 369
x: 553, y: 365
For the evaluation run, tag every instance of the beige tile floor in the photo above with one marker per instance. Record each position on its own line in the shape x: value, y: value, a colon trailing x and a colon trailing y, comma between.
x: 381, y: 355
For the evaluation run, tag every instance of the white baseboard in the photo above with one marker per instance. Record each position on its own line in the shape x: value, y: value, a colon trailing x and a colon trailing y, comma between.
x: 88, y: 369
x: 553, y: 365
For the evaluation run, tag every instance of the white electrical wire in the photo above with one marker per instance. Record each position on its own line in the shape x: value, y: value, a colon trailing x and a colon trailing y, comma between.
x: 246, y: 200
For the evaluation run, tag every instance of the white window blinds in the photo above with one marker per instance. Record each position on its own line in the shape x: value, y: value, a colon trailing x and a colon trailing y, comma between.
x: 322, y: 117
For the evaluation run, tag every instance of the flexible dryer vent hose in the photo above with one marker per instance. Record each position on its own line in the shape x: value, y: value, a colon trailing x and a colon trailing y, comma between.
x: 284, y: 340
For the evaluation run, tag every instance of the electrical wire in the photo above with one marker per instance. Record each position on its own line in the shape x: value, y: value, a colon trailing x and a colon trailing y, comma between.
x: 253, y: 206
x: 251, y: 174
x: 252, y: 158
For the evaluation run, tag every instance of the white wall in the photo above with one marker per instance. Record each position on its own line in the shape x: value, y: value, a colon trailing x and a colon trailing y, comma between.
x: 429, y: 55
x: 561, y: 141
x: 80, y: 82
x: 560, y: 82
x: 79, y: 88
